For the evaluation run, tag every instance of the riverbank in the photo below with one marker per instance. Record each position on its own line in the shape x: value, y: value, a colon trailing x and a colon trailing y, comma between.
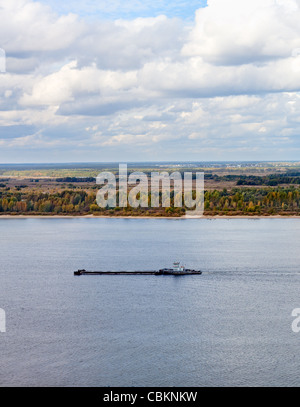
x: 147, y: 217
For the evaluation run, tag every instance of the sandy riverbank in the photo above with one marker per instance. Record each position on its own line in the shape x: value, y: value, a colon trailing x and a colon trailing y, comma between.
x: 144, y: 217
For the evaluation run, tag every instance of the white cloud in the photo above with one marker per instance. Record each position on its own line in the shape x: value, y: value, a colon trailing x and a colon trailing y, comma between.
x: 234, y: 32
x: 230, y: 81
x: 28, y: 26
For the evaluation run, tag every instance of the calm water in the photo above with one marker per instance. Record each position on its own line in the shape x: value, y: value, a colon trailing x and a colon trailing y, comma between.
x: 231, y: 326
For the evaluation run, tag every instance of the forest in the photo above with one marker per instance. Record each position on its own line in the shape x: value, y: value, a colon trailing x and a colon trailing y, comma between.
x: 231, y: 189
x: 237, y: 201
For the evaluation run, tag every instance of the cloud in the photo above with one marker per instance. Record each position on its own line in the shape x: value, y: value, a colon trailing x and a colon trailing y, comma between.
x: 227, y: 84
x: 28, y: 27
x: 195, y: 78
x: 242, y: 32
x: 15, y: 131
x: 129, y: 45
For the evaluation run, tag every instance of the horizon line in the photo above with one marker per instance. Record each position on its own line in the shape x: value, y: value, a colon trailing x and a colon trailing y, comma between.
x: 150, y: 161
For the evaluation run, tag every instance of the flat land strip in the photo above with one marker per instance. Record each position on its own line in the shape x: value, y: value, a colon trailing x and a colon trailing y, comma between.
x: 231, y: 189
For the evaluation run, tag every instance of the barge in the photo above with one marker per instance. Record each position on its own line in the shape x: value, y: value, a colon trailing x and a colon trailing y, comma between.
x: 176, y: 270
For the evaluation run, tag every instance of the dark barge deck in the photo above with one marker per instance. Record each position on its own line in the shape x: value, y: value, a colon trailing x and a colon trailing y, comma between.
x: 134, y: 273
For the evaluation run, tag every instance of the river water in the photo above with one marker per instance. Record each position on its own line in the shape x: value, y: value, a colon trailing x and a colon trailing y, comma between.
x: 230, y: 326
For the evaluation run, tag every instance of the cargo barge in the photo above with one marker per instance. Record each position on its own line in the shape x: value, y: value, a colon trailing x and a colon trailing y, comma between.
x: 176, y: 270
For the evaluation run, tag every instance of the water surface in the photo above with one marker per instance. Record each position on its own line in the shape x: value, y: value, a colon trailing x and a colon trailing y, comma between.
x: 231, y: 326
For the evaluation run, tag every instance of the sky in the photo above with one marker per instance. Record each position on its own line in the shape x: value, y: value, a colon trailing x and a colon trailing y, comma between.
x: 96, y: 80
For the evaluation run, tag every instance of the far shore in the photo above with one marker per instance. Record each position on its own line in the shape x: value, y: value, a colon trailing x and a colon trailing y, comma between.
x: 148, y: 217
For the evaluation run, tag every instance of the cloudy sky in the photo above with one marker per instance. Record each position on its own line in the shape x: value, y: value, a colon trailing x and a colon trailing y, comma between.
x: 142, y: 80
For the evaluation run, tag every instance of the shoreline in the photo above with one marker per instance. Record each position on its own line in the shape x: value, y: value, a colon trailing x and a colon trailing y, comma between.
x: 148, y: 217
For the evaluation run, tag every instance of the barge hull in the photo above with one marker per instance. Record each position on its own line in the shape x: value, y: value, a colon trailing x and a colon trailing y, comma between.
x: 134, y: 273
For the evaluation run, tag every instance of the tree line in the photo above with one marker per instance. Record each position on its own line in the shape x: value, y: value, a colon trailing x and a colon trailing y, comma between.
x: 238, y: 201
x: 292, y: 178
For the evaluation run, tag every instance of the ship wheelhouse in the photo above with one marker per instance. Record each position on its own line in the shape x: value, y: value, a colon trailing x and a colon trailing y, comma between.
x: 177, y: 268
